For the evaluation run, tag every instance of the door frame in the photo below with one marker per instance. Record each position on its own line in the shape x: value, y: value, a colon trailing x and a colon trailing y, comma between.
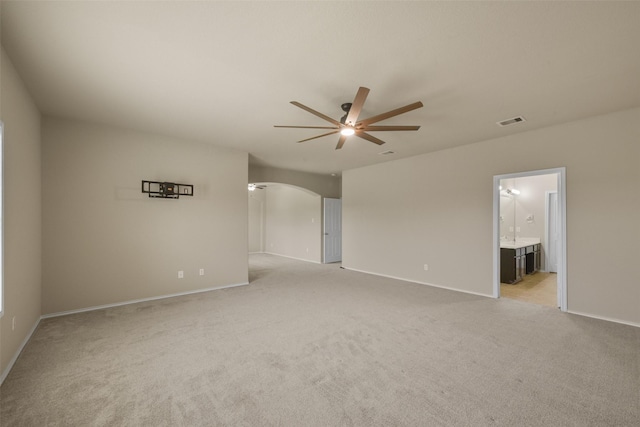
x: 562, y: 222
x: 547, y: 236
x: 547, y: 230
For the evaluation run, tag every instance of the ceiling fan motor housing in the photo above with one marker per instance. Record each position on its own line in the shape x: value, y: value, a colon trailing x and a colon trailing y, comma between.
x: 346, y: 107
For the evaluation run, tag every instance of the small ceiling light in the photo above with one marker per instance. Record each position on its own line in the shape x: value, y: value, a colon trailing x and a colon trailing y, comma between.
x: 252, y: 187
x: 347, y: 131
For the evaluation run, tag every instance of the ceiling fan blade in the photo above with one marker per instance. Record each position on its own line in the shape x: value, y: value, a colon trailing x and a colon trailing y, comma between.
x: 341, y: 141
x: 390, y: 114
x: 319, y: 136
x: 305, y: 127
x: 383, y: 128
x: 316, y: 113
x: 369, y: 138
x: 356, y: 106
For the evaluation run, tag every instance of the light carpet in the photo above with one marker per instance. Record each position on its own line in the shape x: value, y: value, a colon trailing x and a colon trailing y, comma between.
x: 315, y: 345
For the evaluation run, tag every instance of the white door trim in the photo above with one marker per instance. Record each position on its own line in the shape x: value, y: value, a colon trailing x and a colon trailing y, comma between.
x: 547, y: 229
x: 562, y: 222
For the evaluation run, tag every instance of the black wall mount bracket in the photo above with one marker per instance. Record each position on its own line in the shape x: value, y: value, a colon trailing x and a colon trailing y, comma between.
x: 166, y: 190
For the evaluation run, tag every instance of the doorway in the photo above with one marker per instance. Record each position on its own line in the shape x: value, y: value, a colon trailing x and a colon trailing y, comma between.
x: 535, y: 252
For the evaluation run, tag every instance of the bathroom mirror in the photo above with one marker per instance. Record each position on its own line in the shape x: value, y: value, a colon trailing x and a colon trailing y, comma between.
x: 508, y: 195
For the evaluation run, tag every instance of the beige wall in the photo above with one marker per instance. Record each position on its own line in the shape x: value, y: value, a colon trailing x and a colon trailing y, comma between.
x: 257, y: 202
x: 437, y: 209
x: 324, y: 185
x: 105, y: 242
x: 293, y: 223
x: 22, y: 213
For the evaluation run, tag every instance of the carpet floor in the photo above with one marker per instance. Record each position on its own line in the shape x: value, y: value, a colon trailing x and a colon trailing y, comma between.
x: 315, y: 345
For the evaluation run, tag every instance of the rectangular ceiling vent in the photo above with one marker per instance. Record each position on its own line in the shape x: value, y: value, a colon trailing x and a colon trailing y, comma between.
x: 384, y: 153
x: 512, y: 121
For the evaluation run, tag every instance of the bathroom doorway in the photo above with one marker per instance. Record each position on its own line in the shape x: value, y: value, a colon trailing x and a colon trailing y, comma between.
x: 530, y: 238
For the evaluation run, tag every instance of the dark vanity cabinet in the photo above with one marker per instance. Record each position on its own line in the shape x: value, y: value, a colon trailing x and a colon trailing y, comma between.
x: 516, y: 262
x: 532, y: 254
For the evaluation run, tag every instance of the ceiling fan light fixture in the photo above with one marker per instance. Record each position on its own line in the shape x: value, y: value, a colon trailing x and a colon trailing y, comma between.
x: 350, y: 124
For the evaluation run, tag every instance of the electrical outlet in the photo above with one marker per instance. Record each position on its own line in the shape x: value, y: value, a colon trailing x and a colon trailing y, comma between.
x: 426, y: 267
x: 180, y: 274
x: 202, y: 271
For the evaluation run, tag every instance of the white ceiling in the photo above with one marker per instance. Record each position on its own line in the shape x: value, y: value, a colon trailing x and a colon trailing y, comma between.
x: 224, y: 72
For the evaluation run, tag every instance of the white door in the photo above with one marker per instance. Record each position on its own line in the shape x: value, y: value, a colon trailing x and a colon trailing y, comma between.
x: 553, y: 239
x: 332, y: 230
x: 553, y: 233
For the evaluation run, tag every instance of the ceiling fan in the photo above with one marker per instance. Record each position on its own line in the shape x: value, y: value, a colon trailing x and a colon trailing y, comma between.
x: 349, y: 123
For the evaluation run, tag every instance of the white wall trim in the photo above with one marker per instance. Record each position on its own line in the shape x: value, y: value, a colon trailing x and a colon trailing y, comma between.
x: 135, y: 301
x: 420, y: 283
x: 606, y: 319
x: 292, y: 257
x: 100, y: 307
x: 17, y: 354
x: 577, y: 313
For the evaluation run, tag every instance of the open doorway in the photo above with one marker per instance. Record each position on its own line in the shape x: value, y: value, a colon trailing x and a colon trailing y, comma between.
x: 285, y: 220
x: 530, y: 237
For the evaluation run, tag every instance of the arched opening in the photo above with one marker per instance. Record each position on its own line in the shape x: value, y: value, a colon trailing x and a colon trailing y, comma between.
x: 285, y: 220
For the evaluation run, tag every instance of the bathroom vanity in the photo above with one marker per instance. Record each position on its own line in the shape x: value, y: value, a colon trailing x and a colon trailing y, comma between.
x: 518, y: 258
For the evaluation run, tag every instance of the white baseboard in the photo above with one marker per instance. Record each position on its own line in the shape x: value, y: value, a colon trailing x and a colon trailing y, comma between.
x: 420, y: 283
x: 593, y: 316
x: 135, y: 301
x: 17, y: 354
x: 292, y: 257
x: 608, y: 319
x: 100, y: 307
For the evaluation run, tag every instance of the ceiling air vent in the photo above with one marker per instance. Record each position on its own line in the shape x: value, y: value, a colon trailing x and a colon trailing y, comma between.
x: 384, y: 153
x: 511, y: 121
